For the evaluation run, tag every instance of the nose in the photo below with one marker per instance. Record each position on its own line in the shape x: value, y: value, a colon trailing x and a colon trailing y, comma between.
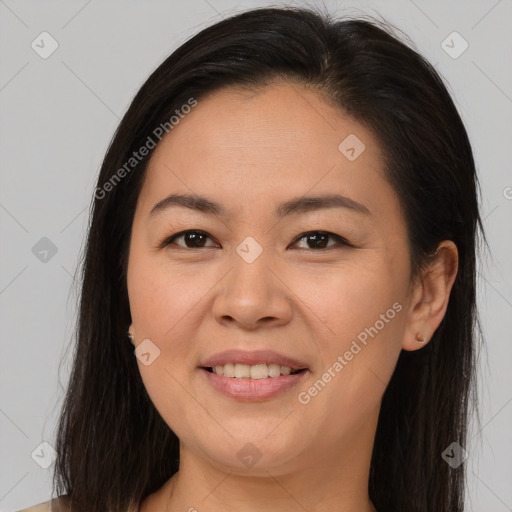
x: 253, y: 295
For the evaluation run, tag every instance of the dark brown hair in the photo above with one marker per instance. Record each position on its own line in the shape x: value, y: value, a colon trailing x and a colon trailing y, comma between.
x: 113, y: 446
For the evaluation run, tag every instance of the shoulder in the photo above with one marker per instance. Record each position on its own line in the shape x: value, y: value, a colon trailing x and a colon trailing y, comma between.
x: 56, y: 505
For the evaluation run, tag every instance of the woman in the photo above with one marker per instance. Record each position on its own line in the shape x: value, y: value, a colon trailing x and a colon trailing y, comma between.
x: 284, y: 227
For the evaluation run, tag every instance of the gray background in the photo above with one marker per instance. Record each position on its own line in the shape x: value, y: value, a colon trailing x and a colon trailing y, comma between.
x: 58, y: 116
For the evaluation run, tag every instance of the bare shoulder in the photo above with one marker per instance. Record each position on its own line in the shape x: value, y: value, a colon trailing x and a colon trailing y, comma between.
x: 59, y: 504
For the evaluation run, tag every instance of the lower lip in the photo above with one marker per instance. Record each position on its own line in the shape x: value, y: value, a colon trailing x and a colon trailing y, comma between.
x: 251, y: 390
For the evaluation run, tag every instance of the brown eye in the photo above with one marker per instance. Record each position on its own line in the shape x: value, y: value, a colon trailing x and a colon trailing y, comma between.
x: 192, y: 239
x: 318, y: 240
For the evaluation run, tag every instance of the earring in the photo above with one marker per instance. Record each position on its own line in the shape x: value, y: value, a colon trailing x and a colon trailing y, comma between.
x: 131, y: 337
x: 420, y: 339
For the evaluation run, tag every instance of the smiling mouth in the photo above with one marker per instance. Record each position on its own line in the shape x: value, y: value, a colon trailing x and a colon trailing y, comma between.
x: 252, y: 372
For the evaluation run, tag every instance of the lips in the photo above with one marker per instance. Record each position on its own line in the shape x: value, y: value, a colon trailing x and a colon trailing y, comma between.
x: 250, y: 390
x: 252, y: 358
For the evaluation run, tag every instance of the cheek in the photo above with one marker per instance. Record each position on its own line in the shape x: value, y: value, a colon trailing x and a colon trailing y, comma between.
x: 162, y: 306
x: 162, y: 297
x: 347, y: 298
x: 162, y: 302
x: 362, y: 319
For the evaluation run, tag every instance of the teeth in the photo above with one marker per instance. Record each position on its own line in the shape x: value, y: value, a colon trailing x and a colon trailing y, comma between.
x: 242, y: 371
x: 258, y: 371
x: 274, y: 370
x: 229, y: 370
x: 285, y: 370
x: 255, y: 371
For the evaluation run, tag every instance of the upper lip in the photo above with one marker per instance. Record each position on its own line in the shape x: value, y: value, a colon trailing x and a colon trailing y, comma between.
x: 252, y: 358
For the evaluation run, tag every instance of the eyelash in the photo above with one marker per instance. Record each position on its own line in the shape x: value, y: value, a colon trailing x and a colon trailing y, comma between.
x: 339, y: 239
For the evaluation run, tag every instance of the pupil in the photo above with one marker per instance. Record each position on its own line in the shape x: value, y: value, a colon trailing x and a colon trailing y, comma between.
x: 316, y: 242
x: 194, y: 237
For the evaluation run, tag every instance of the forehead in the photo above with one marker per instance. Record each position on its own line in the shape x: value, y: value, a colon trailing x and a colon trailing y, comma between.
x: 277, y: 120
x: 250, y: 147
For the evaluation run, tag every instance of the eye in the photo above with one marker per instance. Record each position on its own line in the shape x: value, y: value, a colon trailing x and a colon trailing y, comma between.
x: 319, y: 238
x: 195, y: 239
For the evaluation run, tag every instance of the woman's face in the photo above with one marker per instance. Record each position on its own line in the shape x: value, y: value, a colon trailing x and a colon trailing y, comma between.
x: 261, y: 278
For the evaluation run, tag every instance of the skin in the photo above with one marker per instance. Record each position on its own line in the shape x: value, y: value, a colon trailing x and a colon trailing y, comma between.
x: 251, y: 151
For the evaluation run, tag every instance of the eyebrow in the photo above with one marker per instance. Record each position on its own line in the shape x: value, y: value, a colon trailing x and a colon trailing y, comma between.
x: 296, y: 206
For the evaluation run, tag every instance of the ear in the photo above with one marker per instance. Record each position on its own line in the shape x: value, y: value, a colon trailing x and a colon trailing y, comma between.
x: 430, y: 296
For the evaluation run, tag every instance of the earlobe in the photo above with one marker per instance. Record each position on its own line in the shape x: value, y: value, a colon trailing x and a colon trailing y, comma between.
x: 431, y: 296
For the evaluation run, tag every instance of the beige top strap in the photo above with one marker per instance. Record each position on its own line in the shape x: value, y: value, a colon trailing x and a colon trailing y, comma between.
x: 56, y: 505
